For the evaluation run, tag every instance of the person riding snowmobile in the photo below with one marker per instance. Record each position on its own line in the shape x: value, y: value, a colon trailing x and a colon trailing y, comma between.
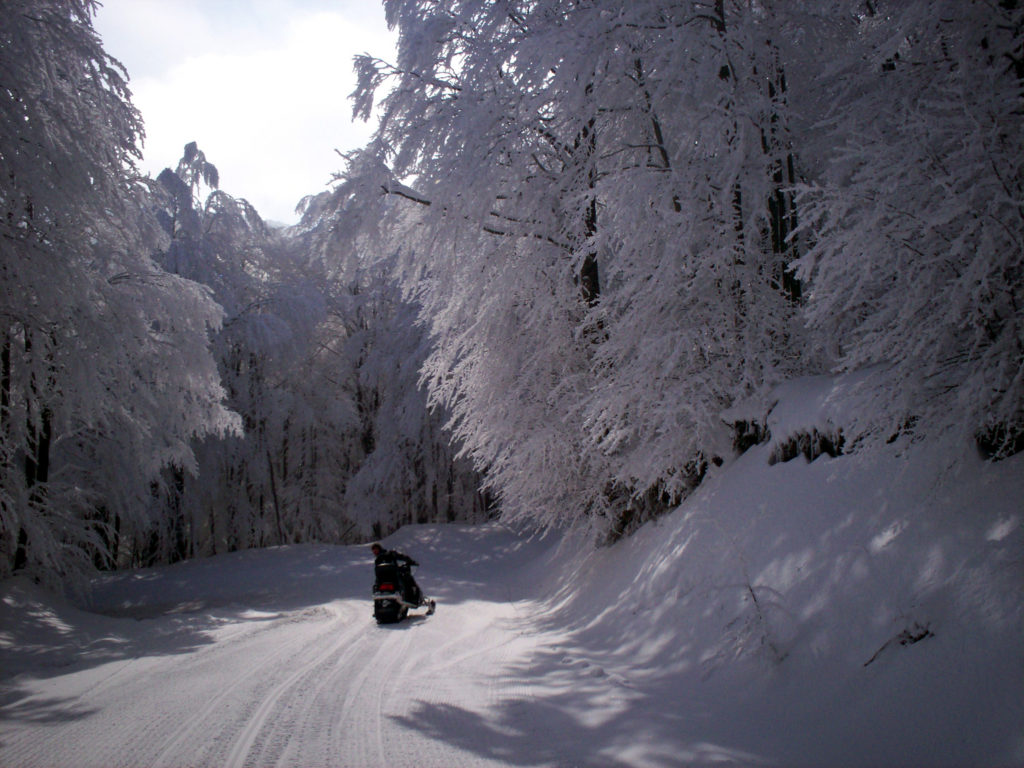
x: 410, y: 587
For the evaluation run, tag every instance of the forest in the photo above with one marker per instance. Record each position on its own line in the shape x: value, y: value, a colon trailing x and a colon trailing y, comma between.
x: 586, y: 243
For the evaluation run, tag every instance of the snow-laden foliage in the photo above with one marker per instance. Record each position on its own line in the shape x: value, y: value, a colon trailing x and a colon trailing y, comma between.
x: 603, y: 233
x: 278, y: 479
x: 587, y: 240
x: 106, y: 374
x: 403, y: 464
x: 597, y: 205
x: 918, y: 219
x: 322, y: 363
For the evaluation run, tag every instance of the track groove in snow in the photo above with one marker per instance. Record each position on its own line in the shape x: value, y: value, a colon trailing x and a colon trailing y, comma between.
x: 245, y: 686
x: 292, y: 684
x: 295, y: 675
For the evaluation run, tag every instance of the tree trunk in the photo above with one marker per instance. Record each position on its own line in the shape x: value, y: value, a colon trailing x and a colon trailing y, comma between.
x: 5, y: 386
x: 274, y: 499
x: 781, y: 203
x: 37, y: 457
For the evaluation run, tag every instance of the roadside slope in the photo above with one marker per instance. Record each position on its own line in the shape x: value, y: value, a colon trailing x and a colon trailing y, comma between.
x: 861, y: 610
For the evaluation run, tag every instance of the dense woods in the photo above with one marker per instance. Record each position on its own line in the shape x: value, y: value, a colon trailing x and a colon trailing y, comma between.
x: 630, y: 218
x: 586, y: 241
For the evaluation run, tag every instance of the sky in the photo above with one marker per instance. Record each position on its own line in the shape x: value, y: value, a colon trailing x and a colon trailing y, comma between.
x: 261, y: 85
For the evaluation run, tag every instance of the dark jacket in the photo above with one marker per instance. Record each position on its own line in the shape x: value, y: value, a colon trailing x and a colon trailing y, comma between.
x: 393, y: 556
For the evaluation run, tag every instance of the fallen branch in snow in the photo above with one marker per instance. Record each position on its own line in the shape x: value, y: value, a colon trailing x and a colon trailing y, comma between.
x: 910, y: 636
x: 780, y: 656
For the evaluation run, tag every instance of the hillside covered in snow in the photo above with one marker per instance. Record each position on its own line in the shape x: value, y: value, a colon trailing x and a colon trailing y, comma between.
x: 850, y: 611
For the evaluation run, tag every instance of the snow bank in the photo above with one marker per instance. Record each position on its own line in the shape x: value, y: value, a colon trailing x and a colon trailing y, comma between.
x: 857, y: 610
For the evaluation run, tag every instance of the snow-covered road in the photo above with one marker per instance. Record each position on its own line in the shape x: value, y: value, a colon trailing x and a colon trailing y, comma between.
x: 273, y: 658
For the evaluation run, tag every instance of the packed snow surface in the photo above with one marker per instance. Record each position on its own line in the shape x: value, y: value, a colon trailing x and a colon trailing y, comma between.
x: 861, y: 611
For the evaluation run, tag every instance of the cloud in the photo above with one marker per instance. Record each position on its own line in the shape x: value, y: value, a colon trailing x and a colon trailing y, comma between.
x: 264, y: 93
x: 151, y: 36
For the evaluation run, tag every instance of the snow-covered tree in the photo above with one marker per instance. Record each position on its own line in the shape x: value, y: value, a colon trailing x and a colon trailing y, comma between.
x: 244, y: 492
x: 917, y: 269
x: 106, y: 374
x: 404, y: 466
x: 322, y: 364
x: 603, y: 237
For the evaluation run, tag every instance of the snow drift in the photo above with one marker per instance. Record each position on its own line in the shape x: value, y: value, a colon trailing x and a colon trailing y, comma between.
x: 857, y: 610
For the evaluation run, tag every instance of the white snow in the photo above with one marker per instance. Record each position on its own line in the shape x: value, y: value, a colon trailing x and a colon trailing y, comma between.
x: 861, y: 610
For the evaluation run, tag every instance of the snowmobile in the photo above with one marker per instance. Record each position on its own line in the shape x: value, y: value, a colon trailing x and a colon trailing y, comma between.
x: 395, y: 592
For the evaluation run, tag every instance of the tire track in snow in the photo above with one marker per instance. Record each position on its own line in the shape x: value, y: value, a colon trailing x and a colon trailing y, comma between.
x: 259, y: 720
x: 357, y: 720
x: 299, y: 733
x: 381, y: 684
x: 196, y: 727
x: 149, y: 710
x: 332, y: 710
x: 444, y: 668
x: 291, y: 712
